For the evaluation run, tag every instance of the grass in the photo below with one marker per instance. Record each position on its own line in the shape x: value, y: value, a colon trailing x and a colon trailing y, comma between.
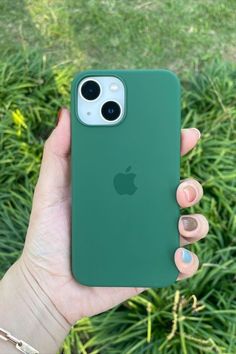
x: 124, y: 34
x: 197, y: 315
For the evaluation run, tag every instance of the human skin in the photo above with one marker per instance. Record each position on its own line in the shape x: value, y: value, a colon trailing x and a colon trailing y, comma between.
x: 39, y: 298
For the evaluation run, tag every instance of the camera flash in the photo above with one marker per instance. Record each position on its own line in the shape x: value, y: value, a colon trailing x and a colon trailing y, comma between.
x: 114, y: 87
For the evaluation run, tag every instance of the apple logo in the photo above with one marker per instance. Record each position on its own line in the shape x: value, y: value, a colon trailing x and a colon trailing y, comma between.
x: 124, y: 182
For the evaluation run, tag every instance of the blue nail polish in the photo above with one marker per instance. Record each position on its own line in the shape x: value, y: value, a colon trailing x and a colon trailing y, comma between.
x: 186, y: 256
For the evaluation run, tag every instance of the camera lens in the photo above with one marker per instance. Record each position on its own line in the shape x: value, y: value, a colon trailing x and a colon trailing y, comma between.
x: 90, y: 90
x: 111, y: 110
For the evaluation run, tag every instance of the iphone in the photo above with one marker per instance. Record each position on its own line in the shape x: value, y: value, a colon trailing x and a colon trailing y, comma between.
x: 125, y: 164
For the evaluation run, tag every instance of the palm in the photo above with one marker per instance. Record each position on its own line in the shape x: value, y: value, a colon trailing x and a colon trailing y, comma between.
x: 47, y: 256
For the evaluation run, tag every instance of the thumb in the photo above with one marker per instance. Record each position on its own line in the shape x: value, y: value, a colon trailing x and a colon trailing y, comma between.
x: 54, y: 178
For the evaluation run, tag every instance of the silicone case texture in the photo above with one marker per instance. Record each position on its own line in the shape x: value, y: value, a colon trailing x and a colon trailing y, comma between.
x: 127, y: 239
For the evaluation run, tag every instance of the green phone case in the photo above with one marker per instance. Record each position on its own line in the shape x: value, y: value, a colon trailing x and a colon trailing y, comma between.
x: 127, y: 239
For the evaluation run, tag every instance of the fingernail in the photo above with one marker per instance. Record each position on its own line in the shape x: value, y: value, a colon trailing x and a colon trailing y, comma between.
x: 59, y: 115
x: 189, y: 223
x: 196, y: 132
x: 186, y: 256
x: 190, y: 193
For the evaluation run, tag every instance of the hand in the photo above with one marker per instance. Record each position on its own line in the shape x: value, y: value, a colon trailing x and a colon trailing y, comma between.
x: 47, y: 249
x: 45, y: 261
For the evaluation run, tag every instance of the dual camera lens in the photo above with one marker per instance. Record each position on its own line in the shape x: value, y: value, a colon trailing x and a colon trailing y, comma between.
x: 110, y: 110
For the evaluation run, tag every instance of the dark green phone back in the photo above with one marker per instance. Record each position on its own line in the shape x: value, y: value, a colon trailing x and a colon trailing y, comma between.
x: 127, y: 239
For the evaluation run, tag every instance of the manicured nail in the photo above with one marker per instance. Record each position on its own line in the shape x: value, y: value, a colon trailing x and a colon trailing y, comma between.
x: 190, y: 193
x: 186, y: 256
x: 59, y: 115
x: 189, y: 223
x: 197, y: 132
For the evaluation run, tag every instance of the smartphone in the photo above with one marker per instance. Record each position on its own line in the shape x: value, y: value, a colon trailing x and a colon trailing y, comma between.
x: 125, y: 165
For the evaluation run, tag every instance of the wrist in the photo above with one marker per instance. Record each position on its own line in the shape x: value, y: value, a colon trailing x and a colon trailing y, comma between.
x: 28, y: 313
